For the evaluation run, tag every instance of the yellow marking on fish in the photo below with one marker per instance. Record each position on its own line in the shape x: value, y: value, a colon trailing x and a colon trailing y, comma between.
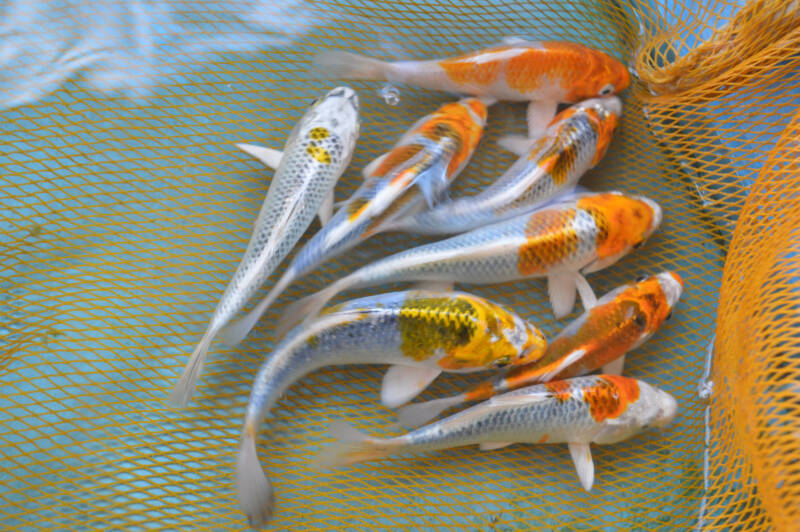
x: 319, y: 153
x: 319, y: 133
x: 466, y: 332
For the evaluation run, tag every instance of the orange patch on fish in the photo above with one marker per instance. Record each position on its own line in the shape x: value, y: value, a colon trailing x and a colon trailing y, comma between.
x: 399, y: 155
x: 605, y: 127
x: 550, y: 237
x: 559, y: 389
x: 483, y: 391
x: 610, y: 396
x: 621, y: 221
x: 543, y: 439
x: 476, y: 68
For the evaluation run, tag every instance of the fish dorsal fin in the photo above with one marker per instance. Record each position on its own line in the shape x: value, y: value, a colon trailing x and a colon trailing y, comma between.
x: 271, y: 158
x: 402, y: 383
x: 492, y: 445
x: 584, y: 466
x: 326, y: 209
x: 561, y: 288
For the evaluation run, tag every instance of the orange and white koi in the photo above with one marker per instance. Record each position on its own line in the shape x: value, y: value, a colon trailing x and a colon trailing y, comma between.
x: 417, y: 170
x: 420, y: 334
x: 544, y: 73
x: 622, y: 320
x: 561, y: 242
x: 602, y: 409
x: 574, y: 142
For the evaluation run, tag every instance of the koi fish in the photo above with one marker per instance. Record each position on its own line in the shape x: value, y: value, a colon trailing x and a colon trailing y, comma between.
x: 419, y: 333
x: 562, y: 242
x: 601, y: 409
x: 575, y: 141
x: 316, y: 154
x: 622, y: 320
x: 430, y: 155
x: 544, y: 73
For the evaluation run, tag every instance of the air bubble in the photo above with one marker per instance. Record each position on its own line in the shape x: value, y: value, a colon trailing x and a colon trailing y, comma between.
x: 390, y: 94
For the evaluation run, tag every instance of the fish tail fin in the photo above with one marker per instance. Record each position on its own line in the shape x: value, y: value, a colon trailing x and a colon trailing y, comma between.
x: 307, y: 308
x: 344, y: 65
x: 416, y: 414
x: 187, y: 382
x: 253, y: 489
x: 234, y: 333
x: 351, y: 446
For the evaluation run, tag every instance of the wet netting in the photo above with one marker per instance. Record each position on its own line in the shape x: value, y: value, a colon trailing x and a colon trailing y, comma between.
x: 125, y: 208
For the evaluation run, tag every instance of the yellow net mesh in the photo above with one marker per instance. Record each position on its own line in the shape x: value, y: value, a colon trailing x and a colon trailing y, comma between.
x: 122, y: 220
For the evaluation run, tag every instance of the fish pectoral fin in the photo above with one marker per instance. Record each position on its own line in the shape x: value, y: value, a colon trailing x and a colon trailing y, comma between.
x: 582, y: 458
x: 561, y: 288
x: 492, y: 445
x: 326, y: 209
x: 614, y: 367
x: 540, y: 114
x: 516, y: 144
x: 588, y: 298
x: 268, y: 156
x: 402, y: 383
x: 567, y: 361
x: 434, y: 286
x: 369, y: 170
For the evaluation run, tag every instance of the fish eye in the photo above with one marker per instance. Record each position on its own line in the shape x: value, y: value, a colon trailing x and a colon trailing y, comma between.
x: 606, y: 90
x: 669, y: 316
x: 641, y: 320
x: 502, y: 361
x: 641, y: 279
x: 638, y: 244
x: 314, y: 102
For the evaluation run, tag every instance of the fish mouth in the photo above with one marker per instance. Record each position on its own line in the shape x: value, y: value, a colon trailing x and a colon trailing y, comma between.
x: 672, y: 286
x: 657, y: 214
x: 346, y: 93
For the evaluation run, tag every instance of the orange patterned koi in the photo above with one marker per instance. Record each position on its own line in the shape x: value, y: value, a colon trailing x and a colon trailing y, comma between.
x: 545, y: 73
x: 602, y: 409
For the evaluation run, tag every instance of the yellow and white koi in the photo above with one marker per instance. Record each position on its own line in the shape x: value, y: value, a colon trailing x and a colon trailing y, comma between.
x: 420, y: 334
